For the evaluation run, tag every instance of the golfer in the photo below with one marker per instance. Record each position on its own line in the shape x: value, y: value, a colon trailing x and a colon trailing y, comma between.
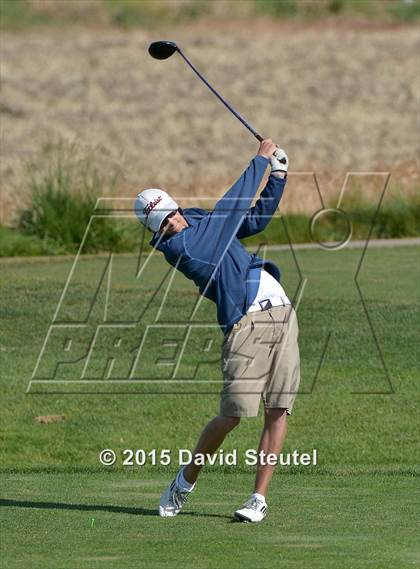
x: 260, y: 355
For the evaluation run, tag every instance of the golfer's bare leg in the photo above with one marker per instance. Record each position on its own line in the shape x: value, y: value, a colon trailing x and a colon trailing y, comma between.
x: 210, y: 439
x: 271, y: 441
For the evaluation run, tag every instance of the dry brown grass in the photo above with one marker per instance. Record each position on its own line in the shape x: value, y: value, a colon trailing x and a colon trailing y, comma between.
x: 336, y: 99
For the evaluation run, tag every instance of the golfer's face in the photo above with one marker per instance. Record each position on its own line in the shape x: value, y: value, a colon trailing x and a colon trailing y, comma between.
x: 173, y: 223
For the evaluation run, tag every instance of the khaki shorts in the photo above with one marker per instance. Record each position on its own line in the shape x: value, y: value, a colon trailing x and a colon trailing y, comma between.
x: 260, y: 360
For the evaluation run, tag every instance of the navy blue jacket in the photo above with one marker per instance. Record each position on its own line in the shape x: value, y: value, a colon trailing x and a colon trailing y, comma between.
x: 209, y: 251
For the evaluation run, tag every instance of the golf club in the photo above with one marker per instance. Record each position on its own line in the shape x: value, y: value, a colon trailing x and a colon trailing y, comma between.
x: 164, y: 49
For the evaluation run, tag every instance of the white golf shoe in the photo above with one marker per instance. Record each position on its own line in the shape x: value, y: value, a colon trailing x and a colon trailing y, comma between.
x: 172, y: 500
x: 254, y: 510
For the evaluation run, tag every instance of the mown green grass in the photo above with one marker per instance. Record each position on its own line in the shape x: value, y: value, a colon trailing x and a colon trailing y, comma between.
x: 355, y: 509
x: 109, y: 520
x: 368, y: 430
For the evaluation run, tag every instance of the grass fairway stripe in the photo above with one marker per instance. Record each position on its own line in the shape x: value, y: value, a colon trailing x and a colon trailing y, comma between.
x: 61, y: 509
x: 323, y: 523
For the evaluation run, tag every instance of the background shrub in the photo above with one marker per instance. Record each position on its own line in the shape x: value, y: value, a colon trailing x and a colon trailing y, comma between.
x: 65, y: 184
x: 64, y: 190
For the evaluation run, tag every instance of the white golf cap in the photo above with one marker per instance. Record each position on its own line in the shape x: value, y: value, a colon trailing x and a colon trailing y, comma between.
x: 152, y: 206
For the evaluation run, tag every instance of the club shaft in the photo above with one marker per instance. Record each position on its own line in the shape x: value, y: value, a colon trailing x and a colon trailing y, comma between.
x: 213, y: 90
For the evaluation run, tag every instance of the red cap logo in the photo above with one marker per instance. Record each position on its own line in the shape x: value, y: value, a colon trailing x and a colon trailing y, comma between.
x: 151, y: 205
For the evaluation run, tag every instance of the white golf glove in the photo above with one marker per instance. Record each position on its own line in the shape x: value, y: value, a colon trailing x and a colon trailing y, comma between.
x: 279, y: 161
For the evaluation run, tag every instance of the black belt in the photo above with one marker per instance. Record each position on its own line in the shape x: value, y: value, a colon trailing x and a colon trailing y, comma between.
x: 265, y: 304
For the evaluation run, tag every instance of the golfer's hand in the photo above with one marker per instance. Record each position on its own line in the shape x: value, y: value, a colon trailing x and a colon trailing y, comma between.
x: 279, y: 163
x: 267, y: 148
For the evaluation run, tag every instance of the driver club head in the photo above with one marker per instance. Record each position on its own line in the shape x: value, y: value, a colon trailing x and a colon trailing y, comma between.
x: 162, y: 49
